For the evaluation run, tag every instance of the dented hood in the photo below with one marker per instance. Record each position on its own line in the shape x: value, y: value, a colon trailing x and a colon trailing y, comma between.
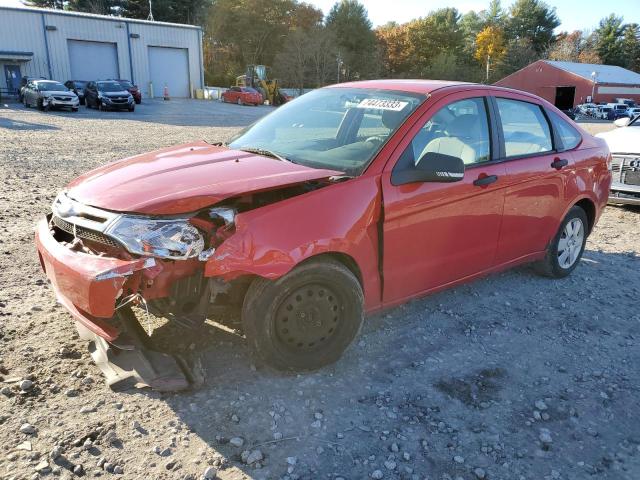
x: 185, y: 178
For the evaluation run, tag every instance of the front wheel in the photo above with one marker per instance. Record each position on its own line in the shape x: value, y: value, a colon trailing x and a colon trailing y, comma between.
x: 240, y: 102
x: 566, y: 248
x: 305, y: 319
x: 132, y: 108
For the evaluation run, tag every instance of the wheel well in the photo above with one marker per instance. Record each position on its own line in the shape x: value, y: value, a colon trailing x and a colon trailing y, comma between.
x: 590, y: 209
x: 344, y: 259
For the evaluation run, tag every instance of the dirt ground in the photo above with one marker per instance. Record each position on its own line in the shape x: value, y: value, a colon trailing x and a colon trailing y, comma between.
x: 511, y: 377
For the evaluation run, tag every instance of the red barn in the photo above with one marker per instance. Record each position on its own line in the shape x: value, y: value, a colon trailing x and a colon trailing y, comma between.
x: 567, y: 84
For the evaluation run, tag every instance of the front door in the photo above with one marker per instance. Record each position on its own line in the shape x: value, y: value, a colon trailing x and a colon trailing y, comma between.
x: 437, y: 233
x: 12, y: 76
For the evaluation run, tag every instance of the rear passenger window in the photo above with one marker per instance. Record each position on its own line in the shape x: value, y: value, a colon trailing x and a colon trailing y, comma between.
x: 526, y: 130
x: 569, y: 136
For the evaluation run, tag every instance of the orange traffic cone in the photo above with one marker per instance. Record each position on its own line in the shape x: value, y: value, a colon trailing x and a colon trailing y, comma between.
x: 165, y: 92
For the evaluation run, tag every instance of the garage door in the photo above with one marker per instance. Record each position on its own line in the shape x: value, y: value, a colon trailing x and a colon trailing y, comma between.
x: 93, y: 60
x: 170, y: 67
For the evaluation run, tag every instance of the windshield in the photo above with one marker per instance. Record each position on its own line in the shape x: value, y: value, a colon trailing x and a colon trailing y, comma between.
x: 51, y: 87
x: 249, y: 90
x: 336, y: 128
x: 80, y: 84
x: 125, y: 83
x: 109, y: 87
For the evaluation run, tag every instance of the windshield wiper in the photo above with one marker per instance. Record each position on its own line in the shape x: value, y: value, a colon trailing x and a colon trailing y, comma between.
x: 266, y: 153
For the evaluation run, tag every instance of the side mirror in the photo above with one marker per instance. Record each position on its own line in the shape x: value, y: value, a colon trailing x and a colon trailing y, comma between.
x: 432, y: 167
x: 622, y: 122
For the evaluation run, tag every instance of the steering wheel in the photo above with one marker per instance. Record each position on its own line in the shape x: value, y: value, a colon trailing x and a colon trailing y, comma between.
x: 376, y: 139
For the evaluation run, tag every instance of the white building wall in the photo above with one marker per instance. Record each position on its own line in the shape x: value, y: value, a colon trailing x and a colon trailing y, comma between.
x: 24, y: 30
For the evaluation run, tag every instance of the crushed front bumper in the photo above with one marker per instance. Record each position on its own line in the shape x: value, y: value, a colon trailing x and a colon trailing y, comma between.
x: 86, y: 285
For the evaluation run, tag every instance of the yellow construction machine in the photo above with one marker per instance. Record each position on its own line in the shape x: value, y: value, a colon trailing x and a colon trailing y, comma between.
x: 256, y: 76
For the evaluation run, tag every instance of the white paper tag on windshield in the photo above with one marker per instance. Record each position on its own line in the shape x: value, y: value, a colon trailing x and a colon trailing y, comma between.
x: 382, y: 104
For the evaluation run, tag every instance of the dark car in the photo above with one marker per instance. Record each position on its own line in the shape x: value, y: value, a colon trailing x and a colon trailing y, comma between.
x: 108, y: 95
x: 23, y: 83
x: 131, y: 88
x: 77, y: 87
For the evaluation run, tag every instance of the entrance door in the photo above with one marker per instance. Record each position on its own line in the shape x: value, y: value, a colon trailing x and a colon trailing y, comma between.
x: 565, y: 97
x: 12, y: 75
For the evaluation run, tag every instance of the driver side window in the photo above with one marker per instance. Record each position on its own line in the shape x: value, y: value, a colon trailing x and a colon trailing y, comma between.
x: 461, y: 129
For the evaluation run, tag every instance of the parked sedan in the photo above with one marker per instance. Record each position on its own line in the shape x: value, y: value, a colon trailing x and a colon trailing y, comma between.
x: 23, y: 83
x: 49, y: 94
x: 347, y: 200
x: 633, y: 112
x: 77, y: 87
x: 242, y: 96
x: 624, y: 143
x: 132, y: 89
x: 108, y: 95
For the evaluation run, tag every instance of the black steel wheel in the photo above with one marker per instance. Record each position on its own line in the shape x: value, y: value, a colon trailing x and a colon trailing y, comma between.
x: 305, y: 319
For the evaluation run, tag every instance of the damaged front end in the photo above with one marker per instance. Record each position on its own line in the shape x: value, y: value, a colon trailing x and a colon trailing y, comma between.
x: 101, y: 264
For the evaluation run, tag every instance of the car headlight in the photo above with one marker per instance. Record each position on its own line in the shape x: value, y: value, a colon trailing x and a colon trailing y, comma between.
x: 172, y: 239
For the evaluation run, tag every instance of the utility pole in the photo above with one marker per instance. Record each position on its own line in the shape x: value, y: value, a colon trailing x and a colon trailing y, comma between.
x: 594, y: 76
x: 150, y: 17
x: 339, y: 60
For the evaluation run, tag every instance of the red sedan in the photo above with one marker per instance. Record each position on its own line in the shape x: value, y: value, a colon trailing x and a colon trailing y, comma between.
x: 242, y: 96
x: 347, y: 200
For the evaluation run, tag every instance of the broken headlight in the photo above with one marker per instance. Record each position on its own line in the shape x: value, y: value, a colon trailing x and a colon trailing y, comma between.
x: 172, y: 239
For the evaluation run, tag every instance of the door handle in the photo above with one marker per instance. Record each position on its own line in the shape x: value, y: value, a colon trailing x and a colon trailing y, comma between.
x: 484, y: 181
x: 558, y: 163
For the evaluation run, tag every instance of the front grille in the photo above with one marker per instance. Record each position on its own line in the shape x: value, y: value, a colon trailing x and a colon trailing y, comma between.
x: 626, y: 169
x: 63, y: 99
x: 83, y: 233
x: 119, y: 99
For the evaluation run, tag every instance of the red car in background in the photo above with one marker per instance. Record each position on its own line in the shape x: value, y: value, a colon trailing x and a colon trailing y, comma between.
x: 242, y: 96
x: 347, y: 200
x: 132, y: 89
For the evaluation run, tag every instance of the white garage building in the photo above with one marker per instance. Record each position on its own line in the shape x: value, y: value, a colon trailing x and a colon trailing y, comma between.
x: 65, y: 46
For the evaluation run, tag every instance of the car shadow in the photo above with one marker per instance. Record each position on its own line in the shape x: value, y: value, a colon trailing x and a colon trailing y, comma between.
x: 22, y: 125
x: 451, y: 358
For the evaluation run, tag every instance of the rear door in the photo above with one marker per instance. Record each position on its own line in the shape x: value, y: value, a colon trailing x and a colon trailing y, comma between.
x: 437, y: 233
x: 537, y: 176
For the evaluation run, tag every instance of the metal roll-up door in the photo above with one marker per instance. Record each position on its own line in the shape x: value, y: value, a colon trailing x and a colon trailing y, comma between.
x: 170, y: 67
x: 93, y: 60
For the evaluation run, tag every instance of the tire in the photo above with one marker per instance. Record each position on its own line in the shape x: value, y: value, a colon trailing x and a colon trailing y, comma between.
x: 40, y: 106
x: 132, y: 108
x: 138, y: 102
x: 554, y: 265
x: 25, y: 103
x: 75, y: 109
x: 306, y: 319
x: 239, y: 102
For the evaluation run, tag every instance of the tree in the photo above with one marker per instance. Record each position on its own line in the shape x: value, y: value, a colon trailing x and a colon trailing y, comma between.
x: 609, y: 40
x: 519, y: 54
x: 437, y: 33
x: 393, y: 40
x: 631, y: 46
x: 576, y: 46
x: 56, y: 4
x: 490, y: 47
x: 349, y: 21
x: 100, y: 7
x: 494, y: 16
x: 532, y: 21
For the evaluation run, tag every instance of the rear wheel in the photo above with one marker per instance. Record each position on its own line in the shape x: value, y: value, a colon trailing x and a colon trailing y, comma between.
x: 305, y: 319
x: 566, y: 248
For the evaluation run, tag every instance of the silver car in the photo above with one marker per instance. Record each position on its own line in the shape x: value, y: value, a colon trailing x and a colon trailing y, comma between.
x: 48, y: 94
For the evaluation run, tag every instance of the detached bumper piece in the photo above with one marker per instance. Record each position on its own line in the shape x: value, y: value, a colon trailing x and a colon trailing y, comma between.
x: 130, y: 362
x: 625, y: 188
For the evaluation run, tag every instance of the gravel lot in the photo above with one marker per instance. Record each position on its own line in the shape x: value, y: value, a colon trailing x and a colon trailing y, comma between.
x: 511, y: 377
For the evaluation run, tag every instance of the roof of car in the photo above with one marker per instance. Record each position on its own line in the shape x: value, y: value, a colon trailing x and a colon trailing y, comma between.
x: 46, y: 81
x: 402, y: 85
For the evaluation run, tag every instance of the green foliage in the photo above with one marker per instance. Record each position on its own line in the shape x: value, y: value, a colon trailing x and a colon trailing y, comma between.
x: 609, y: 40
x: 532, y: 21
x: 357, y: 46
x: 57, y: 4
x: 631, y: 46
